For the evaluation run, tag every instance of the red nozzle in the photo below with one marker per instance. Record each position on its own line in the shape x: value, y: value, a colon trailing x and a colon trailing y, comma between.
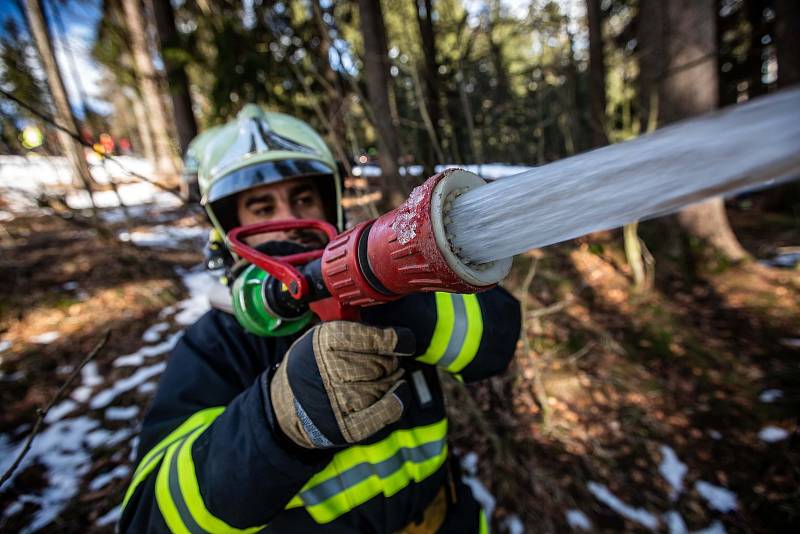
x: 401, y: 252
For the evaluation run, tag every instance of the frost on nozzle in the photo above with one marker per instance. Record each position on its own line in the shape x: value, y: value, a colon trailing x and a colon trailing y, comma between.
x: 405, y: 225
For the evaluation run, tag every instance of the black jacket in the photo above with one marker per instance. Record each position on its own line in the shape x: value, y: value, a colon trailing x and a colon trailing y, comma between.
x: 211, y: 457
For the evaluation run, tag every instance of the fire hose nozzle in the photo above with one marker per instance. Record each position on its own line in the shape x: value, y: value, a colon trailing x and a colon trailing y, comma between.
x: 407, y: 250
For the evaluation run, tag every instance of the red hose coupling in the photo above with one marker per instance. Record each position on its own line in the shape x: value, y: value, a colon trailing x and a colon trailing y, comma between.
x: 406, y: 250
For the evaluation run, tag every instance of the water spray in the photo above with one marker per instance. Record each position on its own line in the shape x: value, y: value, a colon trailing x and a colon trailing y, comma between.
x: 457, y: 233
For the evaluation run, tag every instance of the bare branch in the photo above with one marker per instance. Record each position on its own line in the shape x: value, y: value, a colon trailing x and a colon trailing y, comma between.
x: 43, y: 413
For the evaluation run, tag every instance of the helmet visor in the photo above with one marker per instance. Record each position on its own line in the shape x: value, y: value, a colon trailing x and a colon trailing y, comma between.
x: 264, y: 173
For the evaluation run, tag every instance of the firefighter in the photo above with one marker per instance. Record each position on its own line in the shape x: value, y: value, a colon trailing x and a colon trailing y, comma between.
x: 340, y: 427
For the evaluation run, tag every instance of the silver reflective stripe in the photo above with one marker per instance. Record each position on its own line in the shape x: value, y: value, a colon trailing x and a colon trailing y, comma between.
x: 177, y: 496
x: 459, y: 333
x: 358, y: 473
x: 316, y: 436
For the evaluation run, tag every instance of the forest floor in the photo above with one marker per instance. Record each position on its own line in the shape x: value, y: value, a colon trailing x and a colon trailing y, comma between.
x: 670, y: 410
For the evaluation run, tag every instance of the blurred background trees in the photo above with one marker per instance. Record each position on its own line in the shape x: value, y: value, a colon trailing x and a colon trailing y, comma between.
x: 425, y: 82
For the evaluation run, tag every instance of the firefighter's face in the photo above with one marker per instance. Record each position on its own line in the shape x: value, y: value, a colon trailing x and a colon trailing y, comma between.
x: 289, y: 200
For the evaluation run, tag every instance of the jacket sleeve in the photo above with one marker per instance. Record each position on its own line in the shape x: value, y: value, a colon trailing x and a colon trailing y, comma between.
x: 211, y: 457
x: 471, y: 336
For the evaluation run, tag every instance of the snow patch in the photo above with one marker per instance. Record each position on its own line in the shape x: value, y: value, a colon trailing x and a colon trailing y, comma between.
x: 45, y: 338
x: 715, y: 434
x: 58, y: 411
x: 147, y: 387
x: 110, y: 517
x: 5, y: 345
x: 637, y: 515
x: 138, y: 357
x: 469, y: 463
x: 675, y: 523
x: 771, y: 434
x: 673, y: 471
x: 718, y: 498
x: 60, y: 449
x: 198, y: 283
x: 153, y: 334
x: 102, y: 480
x: 770, y: 395
x: 165, y: 236
x: 513, y: 525
x: 578, y: 520
x: 115, y: 413
x: 714, y: 528
x: 105, y: 397
x: 90, y: 377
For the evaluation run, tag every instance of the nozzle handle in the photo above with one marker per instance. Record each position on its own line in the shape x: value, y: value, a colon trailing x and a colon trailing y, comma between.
x: 282, y: 268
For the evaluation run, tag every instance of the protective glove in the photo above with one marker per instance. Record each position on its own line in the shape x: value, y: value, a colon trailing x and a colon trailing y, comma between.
x: 340, y: 383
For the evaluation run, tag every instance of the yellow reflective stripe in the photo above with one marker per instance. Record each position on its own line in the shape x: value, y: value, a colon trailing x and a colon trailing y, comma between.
x: 484, y: 524
x: 378, y: 452
x: 442, y: 331
x: 473, y: 338
x: 165, y: 503
x: 190, y: 490
x: 347, y: 500
x: 152, y: 458
x: 374, y: 454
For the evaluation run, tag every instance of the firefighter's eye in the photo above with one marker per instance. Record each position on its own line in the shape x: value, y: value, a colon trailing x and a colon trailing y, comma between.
x: 263, y: 210
x: 304, y: 199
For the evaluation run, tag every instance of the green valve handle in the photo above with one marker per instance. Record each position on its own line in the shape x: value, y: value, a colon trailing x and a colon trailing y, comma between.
x: 251, y: 308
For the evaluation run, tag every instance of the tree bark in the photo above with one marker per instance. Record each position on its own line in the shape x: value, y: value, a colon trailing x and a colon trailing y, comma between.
x: 424, y: 13
x: 177, y: 79
x: 376, y: 68
x: 148, y: 84
x: 787, y: 41
x: 597, y: 74
x: 63, y: 112
x: 686, y: 82
x: 335, y: 103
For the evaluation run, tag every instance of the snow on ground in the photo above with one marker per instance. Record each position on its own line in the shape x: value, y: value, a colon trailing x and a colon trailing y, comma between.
x: 771, y: 434
x: 637, y: 515
x: 102, y: 480
x: 115, y: 413
x: 673, y: 471
x: 22, y: 178
x: 148, y: 351
x: 718, y: 498
x: 45, y: 338
x: 469, y: 463
x: 198, y: 282
x: 61, y: 449
x: 154, y: 332
x: 66, y: 442
x: 513, y: 525
x: 166, y: 236
x: 578, y: 520
x: 107, y: 396
x: 770, y: 395
x: 675, y: 523
x: 4, y: 345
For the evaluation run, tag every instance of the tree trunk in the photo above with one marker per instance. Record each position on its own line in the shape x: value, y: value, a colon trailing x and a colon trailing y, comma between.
x: 169, y: 40
x: 597, y: 74
x: 787, y: 41
x: 686, y: 84
x: 430, y: 70
x: 63, y: 112
x: 376, y: 68
x: 148, y: 84
x: 147, y: 147
x: 335, y: 102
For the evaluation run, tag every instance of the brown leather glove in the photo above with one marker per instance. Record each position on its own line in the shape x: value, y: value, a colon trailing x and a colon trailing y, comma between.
x: 340, y: 383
